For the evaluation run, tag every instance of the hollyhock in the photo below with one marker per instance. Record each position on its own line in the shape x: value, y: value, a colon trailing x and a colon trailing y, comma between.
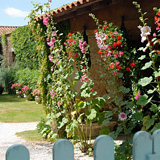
x: 122, y: 116
x: 59, y: 104
x: 69, y: 34
x: 54, y: 33
x: 52, y: 68
x: 45, y: 20
x: 52, y: 97
x: 91, y: 90
x: 119, y: 37
x: 118, y: 67
x: 128, y: 69
x: 132, y: 64
x: 121, y: 53
x: 137, y: 96
x: 114, y: 44
x: 47, y: 39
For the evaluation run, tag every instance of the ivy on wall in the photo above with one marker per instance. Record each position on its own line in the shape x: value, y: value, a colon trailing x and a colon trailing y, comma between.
x: 24, y: 46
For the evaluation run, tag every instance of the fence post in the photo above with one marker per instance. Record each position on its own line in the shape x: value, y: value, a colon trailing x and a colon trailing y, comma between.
x: 142, y: 145
x: 104, y: 148
x: 63, y: 150
x: 17, y: 152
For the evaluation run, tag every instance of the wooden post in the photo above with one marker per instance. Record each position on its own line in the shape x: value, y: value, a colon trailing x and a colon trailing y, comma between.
x: 104, y: 148
x: 63, y: 150
x: 142, y: 145
x: 17, y: 152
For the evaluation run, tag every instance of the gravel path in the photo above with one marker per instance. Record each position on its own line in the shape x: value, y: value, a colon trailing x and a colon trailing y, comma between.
x: 38, y: 150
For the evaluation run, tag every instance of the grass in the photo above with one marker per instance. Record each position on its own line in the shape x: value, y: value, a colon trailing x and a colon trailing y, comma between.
x: 13, y: 109
x: 31, y: 135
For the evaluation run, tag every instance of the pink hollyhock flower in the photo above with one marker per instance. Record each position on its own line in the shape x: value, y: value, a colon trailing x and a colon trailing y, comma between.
x: 122, y: 116
x: 91, y: 89
x: 54, y: 33
x: 117, y: 63
x: 137, y: 96
x: 52, y: 68
x: 50, y: 1
x: 86, y: 79
x: 81, y: 46
x: 53, y: 40
x: 121, y: 53
x: 74, y: 42
x: 83, y: 50
x: 84, y: 67
x: 52, y: 97
x: 154, y: 35
x: 59, y: 104
x: 50, y: 58
x: 45, y: 20
x: 47, y: 39
x: 52, y: 92
x: 85, y: 43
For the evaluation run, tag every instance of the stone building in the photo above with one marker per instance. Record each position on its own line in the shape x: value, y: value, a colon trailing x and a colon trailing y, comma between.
x: 121, y: 13
x: 7, y: 50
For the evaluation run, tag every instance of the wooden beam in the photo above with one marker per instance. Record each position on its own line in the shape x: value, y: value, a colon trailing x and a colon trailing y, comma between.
x: 89, y: 7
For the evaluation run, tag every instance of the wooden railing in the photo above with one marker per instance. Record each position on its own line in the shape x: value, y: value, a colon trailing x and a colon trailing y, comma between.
x: 145, y: 147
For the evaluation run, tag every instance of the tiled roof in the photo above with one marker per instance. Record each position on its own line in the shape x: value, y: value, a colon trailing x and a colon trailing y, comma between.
x: 68, y: 7
x: 7, y: 29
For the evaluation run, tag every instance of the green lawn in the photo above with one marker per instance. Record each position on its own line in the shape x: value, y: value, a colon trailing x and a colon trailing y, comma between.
x: 32, y: 135
x: 13, y: 109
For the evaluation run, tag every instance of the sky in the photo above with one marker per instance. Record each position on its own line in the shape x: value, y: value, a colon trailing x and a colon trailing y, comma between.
x: 13, y: 12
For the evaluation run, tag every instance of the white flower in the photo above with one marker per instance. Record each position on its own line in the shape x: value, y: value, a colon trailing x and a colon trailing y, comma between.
x: 122, y: 116
x: 146, y: 30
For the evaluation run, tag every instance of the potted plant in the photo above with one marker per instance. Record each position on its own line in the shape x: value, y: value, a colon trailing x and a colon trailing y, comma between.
x: 37, y: 94
x: 17, y: 87
x: 27, y: 92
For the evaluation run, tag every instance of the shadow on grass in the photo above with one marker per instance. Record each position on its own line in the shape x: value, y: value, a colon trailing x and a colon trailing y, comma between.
x: 10, y: 98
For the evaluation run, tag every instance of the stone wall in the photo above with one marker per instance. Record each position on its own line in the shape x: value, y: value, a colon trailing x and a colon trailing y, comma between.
x: 8, y: 52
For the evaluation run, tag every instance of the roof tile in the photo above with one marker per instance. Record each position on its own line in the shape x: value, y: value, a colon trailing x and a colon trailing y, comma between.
x: 7, y: 29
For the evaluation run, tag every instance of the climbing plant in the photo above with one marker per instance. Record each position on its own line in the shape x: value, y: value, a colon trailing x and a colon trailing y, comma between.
x: 24, y: 45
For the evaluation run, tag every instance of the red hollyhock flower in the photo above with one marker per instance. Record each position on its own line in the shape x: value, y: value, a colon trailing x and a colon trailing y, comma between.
x: 69, y: 34
x: 118, y: 67
x: 132, y: 64
x: 99, y: 52
x: 95, y: 31
x: 158, y: 14
x: 111, y: 66
x: 119, y: 42
x: 104, y: 27
x: 114, y: 44
x: 159, y: 78
x: 128, y: 69
x: 119, y: 37
x: 76, y: 55
x: 159, y: 52
x: 113, y: 35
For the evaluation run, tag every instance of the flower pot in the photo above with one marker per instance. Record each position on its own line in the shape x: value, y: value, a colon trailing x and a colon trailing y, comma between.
x: 96, y: 128
x: 18, y: 93
x: 38, y: 99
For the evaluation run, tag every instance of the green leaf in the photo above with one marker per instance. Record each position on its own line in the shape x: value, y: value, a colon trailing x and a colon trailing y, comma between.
x: 142, y: 57
x: 157, y: 74
x: 154, y: 108
x: 105, y: 130
x: 124, y: 90
x: 143, y: 100
x: 138, y: 116
x: 92, y: 114
x: 147, y: 65
x: 156, y: 126
x: 149, y: 123
x: 145, y: 81
x: 82, y: 104
x: 151, y: 91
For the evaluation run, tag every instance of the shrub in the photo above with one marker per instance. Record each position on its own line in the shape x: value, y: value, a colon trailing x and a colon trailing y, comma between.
x: 27, y: 77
